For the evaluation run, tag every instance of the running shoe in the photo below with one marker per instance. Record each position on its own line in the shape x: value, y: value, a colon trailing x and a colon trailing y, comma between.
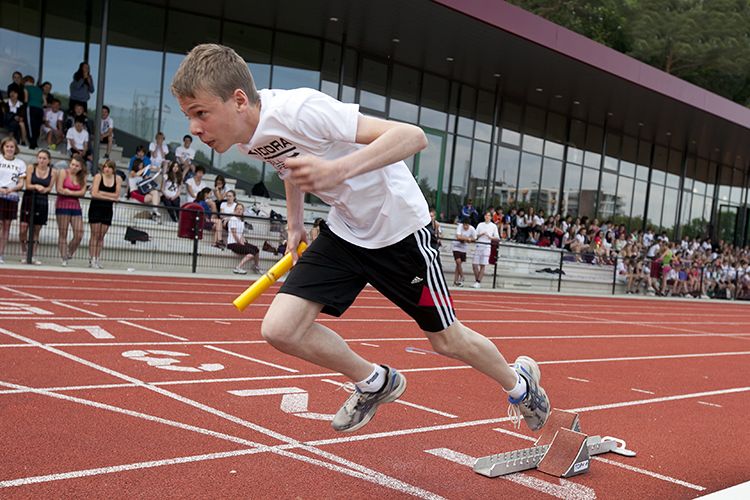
x: 533, y: 406
x: 239, y: 270
x: 360, y: 407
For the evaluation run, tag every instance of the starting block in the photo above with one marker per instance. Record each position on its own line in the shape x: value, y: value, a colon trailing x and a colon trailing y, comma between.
x: 562, y: 450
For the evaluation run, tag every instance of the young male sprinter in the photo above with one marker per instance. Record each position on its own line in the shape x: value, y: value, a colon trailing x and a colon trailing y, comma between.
x: 378, y: 228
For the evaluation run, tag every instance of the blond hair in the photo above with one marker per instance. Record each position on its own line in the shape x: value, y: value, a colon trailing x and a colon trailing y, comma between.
x: 215, y: 69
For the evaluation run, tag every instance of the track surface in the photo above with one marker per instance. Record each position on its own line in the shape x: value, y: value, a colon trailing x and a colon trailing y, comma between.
x: 122, y: 386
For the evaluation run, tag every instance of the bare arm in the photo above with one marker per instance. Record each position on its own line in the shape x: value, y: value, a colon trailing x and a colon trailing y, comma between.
x: 386, y: 142
x: 295, y: 218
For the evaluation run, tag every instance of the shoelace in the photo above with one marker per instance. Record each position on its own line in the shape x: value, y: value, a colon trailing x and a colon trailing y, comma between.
x: 515, y: 416
x: 353, y: 400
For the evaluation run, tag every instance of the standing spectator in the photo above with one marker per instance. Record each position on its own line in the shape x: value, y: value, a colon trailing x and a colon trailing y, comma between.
x: 40, y: 178
x: 17, y: 85
x: 81, y: 87
x: 237, y: 243
x: 47, y: 96
x: 465, y: 234
x: 107, y: 130
x: 170, y: 190
x: 158, y: 150
x: 105, y: 191
x: 437, y: 231
x: 13, y: 118
x: 149, y: 194
x: 52, y: 126
x: 196, y: 184
x: 12, y: 173
x: 71, y: 185
x: 34, y: 110
x: 185, y: 155
x: 140, y: 155
x: 469, y: 211
x: 486, y: 234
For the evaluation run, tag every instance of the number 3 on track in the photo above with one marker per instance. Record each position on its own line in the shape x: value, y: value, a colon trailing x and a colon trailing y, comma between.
x: 165, y: 360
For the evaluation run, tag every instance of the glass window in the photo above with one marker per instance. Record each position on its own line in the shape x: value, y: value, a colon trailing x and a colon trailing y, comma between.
x: 553, y: 150
x: 687, y: 198
x: 629, y: 149
x: 670, y: 208
x: 639, y: 204
x: 696, y: 209
x: 510, y: 120
x: 655, y: 200
x: 613, y: 152
x: 430, y: 165
x: 506, y: 174
x: 510, y: 137
x: 589, y: 190
x: 674, y: 168
x: 556, y: 125
x: 624, y: 201
x: 608, y: 196
x: 20, y: 43
x: 533, y: 130
x: 466, y: 110
x: 641, y: 172
x: 329, y: 69
x: 404, y: 94
x: 350, y: 75
x: 434, y: 99
x: 528, y: 182
x: 460, y: 175
x: 296, y: 62
x: 549, y: 194
x: 485, y: 112
x: 658, y: 176
x: 594, y: 136
x: 627, y: 168
x: 254, y: 46
x: 478, y: 185
x: 373, y: 84
x: 571, y: 195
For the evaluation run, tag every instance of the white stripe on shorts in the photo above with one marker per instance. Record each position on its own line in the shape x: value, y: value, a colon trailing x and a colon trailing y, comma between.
x: 435, y: 279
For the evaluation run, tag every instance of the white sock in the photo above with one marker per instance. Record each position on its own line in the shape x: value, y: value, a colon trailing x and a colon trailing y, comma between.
x: 374, y: 382
x: 519, y: 390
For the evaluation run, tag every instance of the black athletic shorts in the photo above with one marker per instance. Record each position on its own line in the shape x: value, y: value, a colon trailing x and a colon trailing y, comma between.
x: 333, y: 272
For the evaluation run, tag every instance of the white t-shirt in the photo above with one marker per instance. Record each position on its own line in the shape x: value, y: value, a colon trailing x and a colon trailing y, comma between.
x: 227, y: 208
x: 196, y: 188
x: 79, y: 138
x: 469, y: 232
x: 11, y: 171
x: 170, y: 189
x: 106, y: 125
x: 52, y: 118
x: 371, y: 210
x: 236, y: 224
x: 158, y: 153
x: 486, y: 231
x: 182, y: 154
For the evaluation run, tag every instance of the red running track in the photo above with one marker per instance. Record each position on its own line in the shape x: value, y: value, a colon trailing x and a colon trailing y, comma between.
x: 118, y: 387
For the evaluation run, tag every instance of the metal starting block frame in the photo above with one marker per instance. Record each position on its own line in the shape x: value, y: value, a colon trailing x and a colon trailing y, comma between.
x: 567, y: 451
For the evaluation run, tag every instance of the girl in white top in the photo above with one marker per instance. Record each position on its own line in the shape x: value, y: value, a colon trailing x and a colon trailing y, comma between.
x: 170, y: 189
x: 12, y: 175
x: 486, y: 234
x: 159, y: 150
x: 237, y: 243
x: 226, y: 210
x: 465, y: 234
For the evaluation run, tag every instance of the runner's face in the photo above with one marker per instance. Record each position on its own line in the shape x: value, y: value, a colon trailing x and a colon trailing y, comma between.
x: 214, y: 121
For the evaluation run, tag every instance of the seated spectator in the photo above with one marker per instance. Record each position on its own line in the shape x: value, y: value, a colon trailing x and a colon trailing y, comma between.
x: 47, y: 96
x: 140, y: 154
x: 226, y: 211
x: 237, y: 243
x: 78, y: 110
x: 107, y: 131
x: 196, y: 184
x: 52, y: 126
x: 142, y: 190
x: 580, y: 244
x: 158, y: 150
x: 78, y: 140
x: 17, y: 85
x: 170, y: 190
x: 209, y: 207
x: 185, y: 155
x: 13, y: 117
x: 465, y: 234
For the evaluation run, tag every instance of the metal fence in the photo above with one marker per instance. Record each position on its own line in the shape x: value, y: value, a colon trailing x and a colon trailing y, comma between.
x: 140, y: 236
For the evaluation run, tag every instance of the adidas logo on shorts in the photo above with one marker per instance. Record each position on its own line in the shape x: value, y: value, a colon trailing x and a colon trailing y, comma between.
x: 416, y: 280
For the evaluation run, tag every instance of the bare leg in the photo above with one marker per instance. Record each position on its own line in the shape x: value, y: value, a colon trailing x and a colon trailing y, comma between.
x: 462, y: 343
x: 290, y: 327
x: 62, y: 231
x: 23, y: 234
x: 4, y: 236
x: 77, y: 224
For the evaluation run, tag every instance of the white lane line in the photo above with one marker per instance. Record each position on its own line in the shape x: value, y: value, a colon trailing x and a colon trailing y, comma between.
x: 176, y: 316
x: 631, y: 468
x: 255, y: 360
x: 344, y: 466
x: 23, y: 294
x: 222, y: 322
x: 136, y: 310
x: 709, y: 404
x: 641, y: 391
x: 79, y: 309
x: 67, y: 388
x: 578, y: 379
x: 400, y: 401
x: 152, y: 330
x: 514, y: 434
x: 368, y: 344
x: 565, y: 489
x: 126, y: 467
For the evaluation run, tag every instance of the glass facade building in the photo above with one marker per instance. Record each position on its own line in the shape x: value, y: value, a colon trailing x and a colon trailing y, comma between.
x: 486, y: 142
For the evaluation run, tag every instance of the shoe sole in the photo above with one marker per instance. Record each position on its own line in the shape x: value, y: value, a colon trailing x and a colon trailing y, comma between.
x: 393, y: 397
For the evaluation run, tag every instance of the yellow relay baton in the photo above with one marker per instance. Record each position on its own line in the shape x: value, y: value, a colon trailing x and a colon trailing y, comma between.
x: 261, y: 285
